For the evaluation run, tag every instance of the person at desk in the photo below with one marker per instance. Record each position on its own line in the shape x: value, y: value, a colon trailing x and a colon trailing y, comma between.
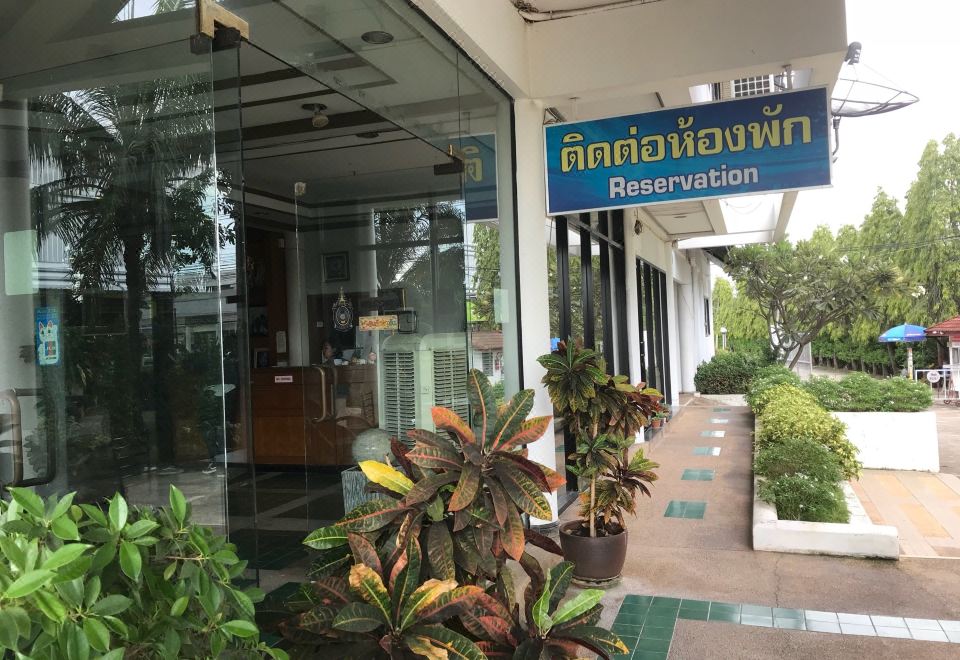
x: 329, y: 354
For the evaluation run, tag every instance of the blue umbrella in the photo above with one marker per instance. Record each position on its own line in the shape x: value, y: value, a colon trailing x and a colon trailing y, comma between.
x: 904, y: 332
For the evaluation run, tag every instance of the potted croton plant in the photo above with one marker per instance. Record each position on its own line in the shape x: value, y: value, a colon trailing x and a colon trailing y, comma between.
x: 604, y: 413
x: 423, y: 569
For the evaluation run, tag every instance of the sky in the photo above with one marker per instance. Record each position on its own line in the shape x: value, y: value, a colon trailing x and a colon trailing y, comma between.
x: 916, y: 45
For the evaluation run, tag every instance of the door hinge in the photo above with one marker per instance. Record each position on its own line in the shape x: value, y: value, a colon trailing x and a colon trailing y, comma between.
x: 218, y: 25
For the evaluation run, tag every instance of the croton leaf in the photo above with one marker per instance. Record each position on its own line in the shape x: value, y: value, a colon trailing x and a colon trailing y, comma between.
x: 386, y: 476
x: 555, y: 480
x: 533, y: 470
x: 543, y: 542
x: 574, y: 607
x: 440, y: 552
x: 599, y: 640
x: 450, y: 604
x: 408, y: 579
x: 331, y: 590
x: 511, y: 536
x: 371, y: 515
x: 447, y: 420
x: 367, y: 584
x: 467, y: 487
x: 530, y: 431
x: 364, y: 552
x: 430, y: 439
x: 510, y: 417
x: 560, y: 576
x: 422, y: 647
x: 588, y: 618
x: 501, y: 503
x: 359, y: 617
x: 482, y: 400
x: 456, y: 645
x: 435, y: 458
x: 427, y: 488
x: 425, y: 594
x: 524, y: 492
x: 326, y: 537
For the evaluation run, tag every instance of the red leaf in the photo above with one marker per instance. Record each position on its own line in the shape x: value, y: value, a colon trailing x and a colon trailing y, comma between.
x: 447, y: 420
x: 466, y: 490
x: 364, y: 552
x: 530, y: 431
x: 501, y: 503
x: 331, y: 590
x: 528, y: 467
x: 543, y: 542
x: 512, y: 537
x: 435, y: 458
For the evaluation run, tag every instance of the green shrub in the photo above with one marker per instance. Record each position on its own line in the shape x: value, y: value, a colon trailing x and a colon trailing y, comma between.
x: 764, y: 380
x: 798, y: 497
x: 862, y: 393
x: 726, y: 373
x: 794, y: 456
x: 78, y: 582
x: 792, y: 413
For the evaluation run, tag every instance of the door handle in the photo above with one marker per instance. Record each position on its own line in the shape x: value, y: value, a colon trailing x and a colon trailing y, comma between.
x: 16, y: 431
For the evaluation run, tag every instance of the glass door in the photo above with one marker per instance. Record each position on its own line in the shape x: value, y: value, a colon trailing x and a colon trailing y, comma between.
x: 117, y: 232
x: 355, y: 302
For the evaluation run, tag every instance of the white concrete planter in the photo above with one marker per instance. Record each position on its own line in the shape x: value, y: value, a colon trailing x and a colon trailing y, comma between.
x: 894, y: 441
x: 857, y: 538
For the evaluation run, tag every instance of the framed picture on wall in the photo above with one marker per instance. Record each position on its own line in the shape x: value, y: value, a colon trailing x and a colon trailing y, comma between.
x: 336, y: 267
x: 261, y: 358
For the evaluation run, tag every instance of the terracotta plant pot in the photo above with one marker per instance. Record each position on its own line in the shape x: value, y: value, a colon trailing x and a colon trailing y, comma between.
x: 598, y: 559
x: 656, y: 423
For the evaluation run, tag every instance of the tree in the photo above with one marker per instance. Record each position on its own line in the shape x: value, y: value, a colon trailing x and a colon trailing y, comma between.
x: 127, y: 171
x: 737, y: 313
x: 486, y: 278
x: 801, y: 289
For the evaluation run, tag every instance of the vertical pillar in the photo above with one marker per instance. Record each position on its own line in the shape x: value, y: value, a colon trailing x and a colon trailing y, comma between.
x: 673, y: 335
x: 632, y: 250
x: 535, y: 305
x: 688, y: 338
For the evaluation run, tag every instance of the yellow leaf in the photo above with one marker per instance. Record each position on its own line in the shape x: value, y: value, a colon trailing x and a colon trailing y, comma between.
x: 423, y: 648
x: 425, y: 594
x: 386, y: 476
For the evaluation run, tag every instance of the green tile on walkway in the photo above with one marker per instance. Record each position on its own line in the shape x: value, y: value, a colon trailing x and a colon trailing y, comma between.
x: 624, y: 630
x: 649, y: 655
x: 697, y: 475
x: 789, y: 624
x: 713, y: 434
x: 631, y: 618
x: 685, y: 509
x: 654, y: 632
x: 665, y: 601
x: 706, y: 451
x: 662, y: 645
x: 633, y: 599
x: 719, y: 420
x: 786, y: 613
x: 721, y: 410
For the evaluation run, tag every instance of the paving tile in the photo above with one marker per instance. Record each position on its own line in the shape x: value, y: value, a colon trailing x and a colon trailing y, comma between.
x: 823, y: 626
x: 634, y: 607
x: 675, y: 509
x: 817, y: 615
x: 726, y: 617
x: 660, y: 622
x: 756, y: 610
x: 694, y: 615
x: 695, y: 510
x: 706, y: 451
x: 690, y: 604
x: 754, y: 620
x: 712, y: 434
x: 649, y: 655
x: 892, y: 631
x: 953, y: 636
x: 631, y: 618
x: 717, y: 606
x: 859, y: 619
x: 719, y: 420
x: 635, y: 599
x: 666, y: 601
x: 660, y: 645
x: 721, y: 410
x: 950, y: 626
x: 629, y: 642
x: 626, y: 630
x: 789, y: 624
x: 787, y: 613
x: 857, y: 629
x: 889, y: 621
x: 923, y: 624
x: 930, y: 635
x: 654, y: 632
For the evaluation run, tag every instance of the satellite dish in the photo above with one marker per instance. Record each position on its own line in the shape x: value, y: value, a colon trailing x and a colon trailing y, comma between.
x: 862, y: 92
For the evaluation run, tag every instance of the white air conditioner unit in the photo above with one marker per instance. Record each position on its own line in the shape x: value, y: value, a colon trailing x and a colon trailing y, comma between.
x: 418, y: 373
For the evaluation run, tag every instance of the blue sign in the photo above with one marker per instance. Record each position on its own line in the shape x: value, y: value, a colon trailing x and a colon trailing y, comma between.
x: 759, y: 144
x: 47, y: 321
x: 480, y: 173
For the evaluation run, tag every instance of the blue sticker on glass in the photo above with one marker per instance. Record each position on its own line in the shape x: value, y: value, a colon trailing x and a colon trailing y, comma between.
x: 48, y: 336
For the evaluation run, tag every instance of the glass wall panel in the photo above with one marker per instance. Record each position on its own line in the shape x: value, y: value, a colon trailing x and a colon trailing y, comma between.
x: 116, y: 238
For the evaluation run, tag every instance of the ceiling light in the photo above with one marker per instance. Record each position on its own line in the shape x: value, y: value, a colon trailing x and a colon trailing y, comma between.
x: 378, y: 37
x: 320, y: 120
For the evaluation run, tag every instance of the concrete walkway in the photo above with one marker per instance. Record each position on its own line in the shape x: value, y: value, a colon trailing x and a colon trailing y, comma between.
x: 712, y: 558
